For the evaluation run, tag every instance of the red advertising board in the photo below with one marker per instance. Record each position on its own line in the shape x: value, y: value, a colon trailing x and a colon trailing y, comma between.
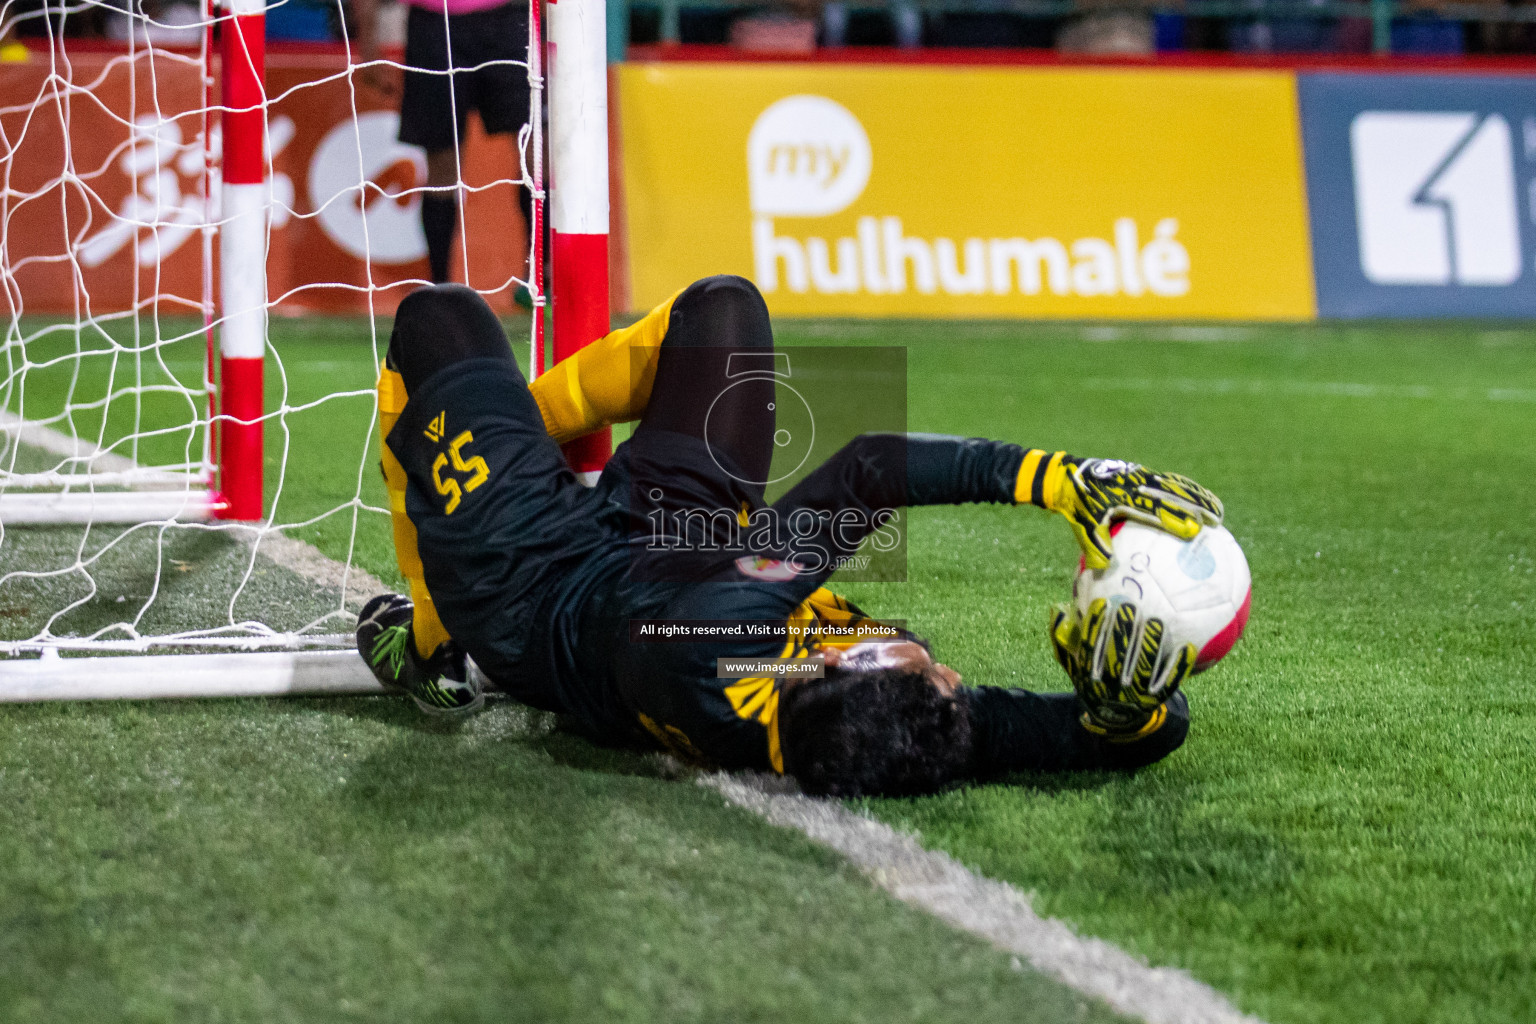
x: 104, y: 189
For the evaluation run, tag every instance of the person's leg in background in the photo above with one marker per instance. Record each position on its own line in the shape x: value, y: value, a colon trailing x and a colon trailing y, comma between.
x: 495, y: 42
x: 440, y: 210
x: 434, y: 110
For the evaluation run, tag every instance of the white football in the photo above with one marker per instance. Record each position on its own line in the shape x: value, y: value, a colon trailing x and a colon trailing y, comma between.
x: 1199, y: 588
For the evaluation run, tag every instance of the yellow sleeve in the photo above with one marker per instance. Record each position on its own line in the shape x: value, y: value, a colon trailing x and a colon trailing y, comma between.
x: 1041, y: 476
x: 608, y: 381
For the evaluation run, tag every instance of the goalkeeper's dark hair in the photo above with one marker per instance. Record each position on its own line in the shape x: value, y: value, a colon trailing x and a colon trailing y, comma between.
x: 884, y: 732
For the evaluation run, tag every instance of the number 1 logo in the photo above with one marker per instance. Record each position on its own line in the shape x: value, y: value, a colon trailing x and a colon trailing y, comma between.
x: 1435, y: 198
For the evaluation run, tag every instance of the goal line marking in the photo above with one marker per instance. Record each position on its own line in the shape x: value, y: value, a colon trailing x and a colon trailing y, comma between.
x: 995, y: 911
x: 298, y: 557
x: 55, y: 442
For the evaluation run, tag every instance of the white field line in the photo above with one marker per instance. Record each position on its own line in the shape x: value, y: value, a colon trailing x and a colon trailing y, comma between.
x: 58, y: 443
x: 1319, y: 388
x: 992, y: 910
x: 109, y: 467
x: 931, y: 881
x: 306, y: 560
x: 298, y: 557
x: 1176, y: 332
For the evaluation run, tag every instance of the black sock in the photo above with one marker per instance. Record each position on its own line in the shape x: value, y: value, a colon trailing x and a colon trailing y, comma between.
x: 439, y: 216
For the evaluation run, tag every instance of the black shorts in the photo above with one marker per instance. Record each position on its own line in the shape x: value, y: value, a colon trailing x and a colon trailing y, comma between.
x: 501, y: 521
x: 489, y: 67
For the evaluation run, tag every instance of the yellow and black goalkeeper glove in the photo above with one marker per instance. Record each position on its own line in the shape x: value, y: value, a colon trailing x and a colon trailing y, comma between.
x: 1093, y: 493
x: 1120, y: 668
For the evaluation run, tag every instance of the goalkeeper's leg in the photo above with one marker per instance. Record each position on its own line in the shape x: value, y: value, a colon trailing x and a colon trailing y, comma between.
x: 606, y: 382
x: 700, y: 457
x: 682, y: 351
x: 404, y: 640
x: 715, y: 374
x: 497, y: 514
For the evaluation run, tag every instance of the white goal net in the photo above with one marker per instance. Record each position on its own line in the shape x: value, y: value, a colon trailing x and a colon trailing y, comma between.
x: 149, y: 499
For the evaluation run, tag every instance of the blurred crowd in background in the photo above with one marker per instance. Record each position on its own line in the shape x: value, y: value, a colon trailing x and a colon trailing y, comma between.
x: 1424, y: 27
x: 1128, y: 27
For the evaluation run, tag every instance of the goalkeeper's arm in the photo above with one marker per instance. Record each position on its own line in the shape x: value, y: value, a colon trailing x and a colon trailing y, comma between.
x: 610, y: 380
x: 1019, y: 731
x: 881, y: 471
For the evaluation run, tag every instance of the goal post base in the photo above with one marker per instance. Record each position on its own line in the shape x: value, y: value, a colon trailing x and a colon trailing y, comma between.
x: 156, y: 677
x: 115, y: 507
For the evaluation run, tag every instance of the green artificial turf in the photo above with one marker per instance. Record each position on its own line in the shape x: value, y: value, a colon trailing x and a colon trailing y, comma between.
x: 336, y: 860
x: 333, y: 860
x: 1347, y: 835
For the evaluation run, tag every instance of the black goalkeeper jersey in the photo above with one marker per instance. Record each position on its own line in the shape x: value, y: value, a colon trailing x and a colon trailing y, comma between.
x: 541, y: 579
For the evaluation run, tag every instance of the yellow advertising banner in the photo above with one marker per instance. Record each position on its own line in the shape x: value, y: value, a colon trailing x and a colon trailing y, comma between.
x: 969, y: 191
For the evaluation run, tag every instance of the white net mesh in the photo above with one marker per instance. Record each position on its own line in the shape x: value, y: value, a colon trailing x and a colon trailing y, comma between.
x: 110, y: 157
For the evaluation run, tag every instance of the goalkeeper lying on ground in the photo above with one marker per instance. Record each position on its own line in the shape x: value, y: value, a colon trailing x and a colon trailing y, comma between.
x: 539, y: 579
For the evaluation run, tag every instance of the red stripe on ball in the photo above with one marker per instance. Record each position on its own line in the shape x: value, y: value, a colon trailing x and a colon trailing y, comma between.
x: 1222, y: 642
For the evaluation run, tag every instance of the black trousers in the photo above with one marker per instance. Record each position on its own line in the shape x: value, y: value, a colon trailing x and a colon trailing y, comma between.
x: 714, y: 376
x: 487, y: 53
x: 501, y: 520
x: 528, y: 535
